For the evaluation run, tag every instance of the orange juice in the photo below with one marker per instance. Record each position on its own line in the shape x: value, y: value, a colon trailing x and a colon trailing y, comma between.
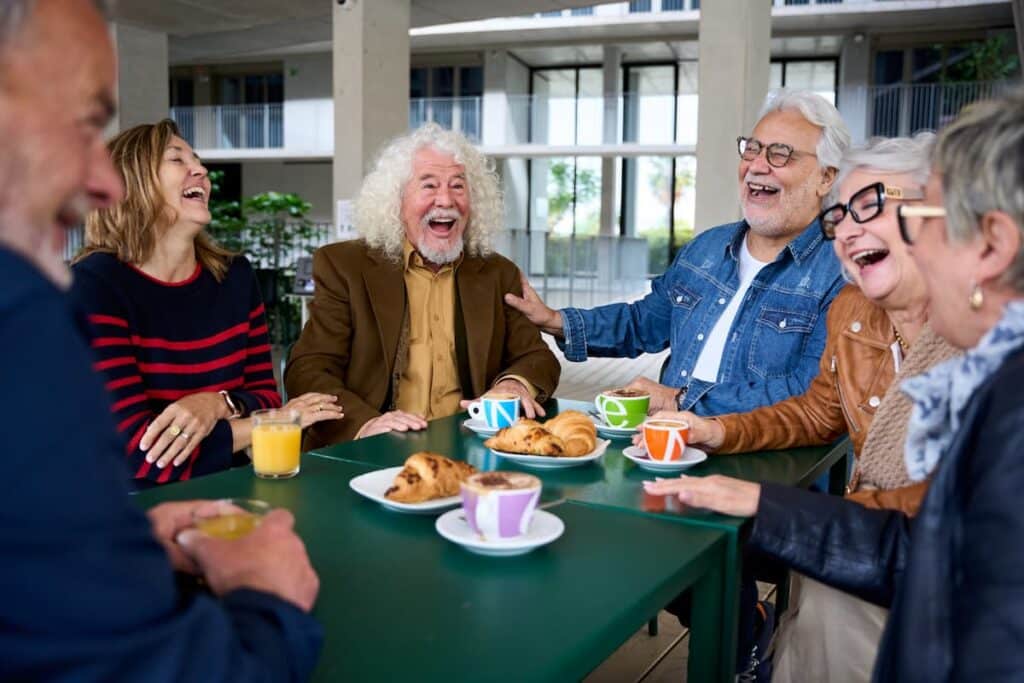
x: 665, y: 439
x: 275, y: 449
x: 229, y: 526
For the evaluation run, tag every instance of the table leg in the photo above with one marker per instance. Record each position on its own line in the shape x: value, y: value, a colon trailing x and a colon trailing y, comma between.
x: 713, y: 620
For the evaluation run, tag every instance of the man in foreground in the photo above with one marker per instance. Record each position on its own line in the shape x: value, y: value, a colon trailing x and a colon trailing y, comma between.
x: 89, y: 586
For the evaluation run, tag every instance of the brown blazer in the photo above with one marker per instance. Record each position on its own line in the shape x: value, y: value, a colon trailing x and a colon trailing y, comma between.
x: 357, y: 319
x: 855, y: 371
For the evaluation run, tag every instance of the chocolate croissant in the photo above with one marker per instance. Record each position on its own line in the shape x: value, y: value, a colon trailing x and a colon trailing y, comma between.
x: 576, y: 430
x: 426, y: 476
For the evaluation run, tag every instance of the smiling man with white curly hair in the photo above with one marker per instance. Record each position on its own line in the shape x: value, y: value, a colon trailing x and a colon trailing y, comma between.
x: 409, y: 322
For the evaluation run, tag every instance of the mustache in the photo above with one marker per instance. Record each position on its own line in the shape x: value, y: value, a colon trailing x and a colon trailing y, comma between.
x: 441, y: 214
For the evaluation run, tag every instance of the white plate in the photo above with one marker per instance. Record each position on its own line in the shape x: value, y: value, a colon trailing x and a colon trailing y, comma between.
x: 547, y: 462
x: 544, y: 528
x: 480, y: 427
x: 605, y: 429
x: 691, y: 456
x: 372, y: 485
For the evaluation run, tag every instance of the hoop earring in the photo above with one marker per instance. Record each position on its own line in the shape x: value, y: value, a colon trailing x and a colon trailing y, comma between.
x: 977, y: 297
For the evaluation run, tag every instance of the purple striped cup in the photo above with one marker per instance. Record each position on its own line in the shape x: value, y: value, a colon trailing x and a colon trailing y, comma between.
x: 500, y: 504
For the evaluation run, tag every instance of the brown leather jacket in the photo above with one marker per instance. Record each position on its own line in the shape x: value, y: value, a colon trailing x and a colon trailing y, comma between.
x: 855, y: 370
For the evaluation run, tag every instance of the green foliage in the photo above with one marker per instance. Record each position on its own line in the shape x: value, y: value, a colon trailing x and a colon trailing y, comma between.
x: 264, y: 227
x: 987, y: 60
x: 560, y: 188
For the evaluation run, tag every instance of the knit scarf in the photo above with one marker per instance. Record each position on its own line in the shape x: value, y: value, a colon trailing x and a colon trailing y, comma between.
x: 941, y: 394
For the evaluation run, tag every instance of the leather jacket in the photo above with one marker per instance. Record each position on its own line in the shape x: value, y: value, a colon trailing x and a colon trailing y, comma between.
x: 854, y: 373
x: 954, y: 585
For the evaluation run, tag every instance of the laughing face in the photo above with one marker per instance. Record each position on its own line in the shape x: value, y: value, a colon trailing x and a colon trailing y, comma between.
x: 435, y: 206
x: 780, y: 202
x: 185, y: 184
x: 873, y: 253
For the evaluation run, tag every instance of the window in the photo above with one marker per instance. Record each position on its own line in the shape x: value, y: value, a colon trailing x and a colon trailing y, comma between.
x: 817, y: 75
x: 582, y: 11
x: 640, y: 6
x: 672, y: 5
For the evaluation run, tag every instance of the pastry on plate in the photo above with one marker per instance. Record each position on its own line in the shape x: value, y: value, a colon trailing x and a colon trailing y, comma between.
x: 570, y: 434
x: 426, y: 476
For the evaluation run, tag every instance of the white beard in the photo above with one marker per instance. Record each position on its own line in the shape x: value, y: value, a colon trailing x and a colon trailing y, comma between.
x: 442, y: 256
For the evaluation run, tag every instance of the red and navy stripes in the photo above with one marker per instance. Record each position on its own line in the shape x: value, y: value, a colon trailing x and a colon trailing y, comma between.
x: 155, y: 343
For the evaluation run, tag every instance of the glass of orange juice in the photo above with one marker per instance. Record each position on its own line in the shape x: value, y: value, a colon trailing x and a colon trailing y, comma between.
x: 230, y: 518
x: 276, y: 443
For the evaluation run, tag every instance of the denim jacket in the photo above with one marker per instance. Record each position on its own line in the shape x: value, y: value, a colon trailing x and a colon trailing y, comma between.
x: 776, y: 339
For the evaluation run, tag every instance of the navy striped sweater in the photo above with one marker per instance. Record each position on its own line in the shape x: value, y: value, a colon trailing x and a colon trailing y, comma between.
x: 156, y: 342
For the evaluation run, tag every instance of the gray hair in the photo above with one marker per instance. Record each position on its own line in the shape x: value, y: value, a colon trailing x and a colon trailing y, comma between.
x: 979, y: 156
x: 888, y: 155
x: 835, y: 137
x: 13, y: 14
x: 378, y: 208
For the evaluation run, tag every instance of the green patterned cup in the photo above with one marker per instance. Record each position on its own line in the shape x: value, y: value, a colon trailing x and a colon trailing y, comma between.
x: 622, y: 408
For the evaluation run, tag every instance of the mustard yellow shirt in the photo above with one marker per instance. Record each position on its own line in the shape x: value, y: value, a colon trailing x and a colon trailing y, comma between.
x: 430, y: 384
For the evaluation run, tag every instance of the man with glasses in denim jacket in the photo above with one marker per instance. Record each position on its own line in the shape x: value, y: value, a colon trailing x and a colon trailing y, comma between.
x: 743, y: 306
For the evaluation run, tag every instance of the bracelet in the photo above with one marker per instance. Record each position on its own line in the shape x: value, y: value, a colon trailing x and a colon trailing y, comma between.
x: 235, y: 408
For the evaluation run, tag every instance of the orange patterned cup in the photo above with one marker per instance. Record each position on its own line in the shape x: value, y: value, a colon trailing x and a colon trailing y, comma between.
x: 665, y: 439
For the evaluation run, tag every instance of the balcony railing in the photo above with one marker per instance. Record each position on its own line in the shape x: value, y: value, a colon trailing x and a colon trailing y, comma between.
x: 454, y: 113
x: 231, y: 126
x: 904, y: 109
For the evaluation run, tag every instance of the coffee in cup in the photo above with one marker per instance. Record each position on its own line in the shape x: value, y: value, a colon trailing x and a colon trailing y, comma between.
x: 623, y: 408
x: 497, y: 409
x: 500, y: 505
x: 665, y: 439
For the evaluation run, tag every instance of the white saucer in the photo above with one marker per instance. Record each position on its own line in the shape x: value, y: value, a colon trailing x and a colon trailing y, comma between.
x: 372, y: 485
x: 480, y: 427
x: 605, y: 429
x: 544, y: 528
x: 548, y: 462
x: 691, y: 456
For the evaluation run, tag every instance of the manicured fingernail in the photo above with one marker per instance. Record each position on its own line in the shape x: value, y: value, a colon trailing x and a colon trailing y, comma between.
x: 143, y: 446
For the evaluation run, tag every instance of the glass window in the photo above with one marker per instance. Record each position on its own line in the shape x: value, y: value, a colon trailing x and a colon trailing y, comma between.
x: 775, y: 75
x: 686, y: 104
x: 590, y: 108
x: 640, y: 6
x: 582, y: 11
x: 444, y: 82
x: 418, y: 83
x: 471, y: 81
x: 817, y: 76
x: 685, y: 201
x: 554, y: 106
x: 672, y: 5
x: 649, y: 104
x: 889, y: 67
x: 648, y: 203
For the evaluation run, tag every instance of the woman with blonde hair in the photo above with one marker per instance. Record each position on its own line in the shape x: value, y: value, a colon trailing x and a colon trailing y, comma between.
x: 176, y: 321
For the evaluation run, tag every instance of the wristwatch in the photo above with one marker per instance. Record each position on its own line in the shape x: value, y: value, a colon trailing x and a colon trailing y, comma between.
x: 681, y: 396
x: 234, y: 405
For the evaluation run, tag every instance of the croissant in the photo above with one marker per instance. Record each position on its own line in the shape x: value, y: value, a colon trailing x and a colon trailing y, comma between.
x: 528, y: 437
x: 576, y: 430
x: 426, y: 476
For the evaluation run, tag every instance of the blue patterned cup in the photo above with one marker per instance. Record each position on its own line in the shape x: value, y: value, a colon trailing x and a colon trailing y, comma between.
x: 500, y: 505
x: 497, y: 410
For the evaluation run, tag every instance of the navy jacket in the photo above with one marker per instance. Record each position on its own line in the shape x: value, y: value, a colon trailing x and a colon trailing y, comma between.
x: 88, y: 593
x: 956, y: 583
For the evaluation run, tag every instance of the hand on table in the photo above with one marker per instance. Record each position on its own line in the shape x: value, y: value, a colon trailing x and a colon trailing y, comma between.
x: 176, y: 431
x: 394, y: 421
x: 271, y: 558
x: 662, y: 397
x: 715, y: 492
x: 535, y: 310
x: 530, y: 408
x: 704, y: 432
x: 313, y: 407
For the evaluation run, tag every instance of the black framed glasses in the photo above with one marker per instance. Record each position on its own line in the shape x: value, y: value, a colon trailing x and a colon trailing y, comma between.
x: 904, y: 212
x: 865, y: 204
x: 777, y: 154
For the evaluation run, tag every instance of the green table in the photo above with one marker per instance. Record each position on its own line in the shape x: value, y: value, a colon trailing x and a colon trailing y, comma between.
x: 398, y: 602
x: 614, y: 482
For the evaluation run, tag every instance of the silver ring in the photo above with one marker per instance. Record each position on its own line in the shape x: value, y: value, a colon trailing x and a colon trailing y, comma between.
x: 185, y: 435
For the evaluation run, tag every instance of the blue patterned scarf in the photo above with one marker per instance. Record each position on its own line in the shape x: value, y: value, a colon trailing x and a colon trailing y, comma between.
x: 940, y: 395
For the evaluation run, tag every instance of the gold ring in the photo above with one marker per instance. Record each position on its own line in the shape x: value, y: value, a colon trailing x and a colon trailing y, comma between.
x: 175, y: 430
x: 319, y: 406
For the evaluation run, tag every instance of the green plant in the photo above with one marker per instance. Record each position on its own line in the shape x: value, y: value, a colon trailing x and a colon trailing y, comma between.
x: 986, y: 60
x: 560, y: 188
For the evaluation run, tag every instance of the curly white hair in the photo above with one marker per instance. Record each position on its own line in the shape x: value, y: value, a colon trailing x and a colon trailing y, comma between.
x: 378, y: 208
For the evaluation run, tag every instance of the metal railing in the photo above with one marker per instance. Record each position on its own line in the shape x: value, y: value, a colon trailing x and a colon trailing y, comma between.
x: 232, y: 126
x: 904, y: 109
x: 454, y: 113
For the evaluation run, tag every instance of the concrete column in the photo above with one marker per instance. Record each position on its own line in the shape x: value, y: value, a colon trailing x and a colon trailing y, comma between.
x: 734, y: 53
x: 1018, y: 24
x: 142, y: 80
x: 371, y: 85
x: 611, y: 72
x: 854, y: 79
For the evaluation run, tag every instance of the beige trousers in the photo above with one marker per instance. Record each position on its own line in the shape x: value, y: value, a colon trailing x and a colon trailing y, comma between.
x: 826, y: 636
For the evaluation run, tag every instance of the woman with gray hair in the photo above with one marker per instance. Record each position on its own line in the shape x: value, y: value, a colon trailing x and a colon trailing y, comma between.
x: 955, y: 586
x: 877, y: 335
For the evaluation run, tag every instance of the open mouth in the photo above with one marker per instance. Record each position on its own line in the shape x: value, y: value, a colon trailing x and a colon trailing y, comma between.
x: 441, y: 226
x: 869, y: 257
x: 758, y: 190
x: 195, y: 194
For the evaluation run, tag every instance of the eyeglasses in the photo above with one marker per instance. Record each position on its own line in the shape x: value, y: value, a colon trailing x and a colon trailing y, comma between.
x: 865, y: 204
x: 777, y: 154
x: 905, y: 212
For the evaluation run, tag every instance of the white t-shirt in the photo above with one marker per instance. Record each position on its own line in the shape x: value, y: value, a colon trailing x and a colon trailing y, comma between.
x: 714, y: 346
